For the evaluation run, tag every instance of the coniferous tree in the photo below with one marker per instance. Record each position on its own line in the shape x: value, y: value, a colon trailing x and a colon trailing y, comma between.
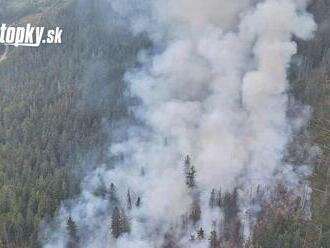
x: 190, y: 177
x: 138, y: 202
x: 101, y: 189
x: 119, y: 223
x: 200, y: 234
x: 232, y: 224
x: 212, y: 202
x: 142, y: 172
x: 214, y: 242
x: 113, y: 195
x: 124, y: 222
x: 116, y: 223
x: 129, y: 200
x: 219, y: 199
x: 187, y: 164
x: 73, y: 238
x: 196, y: 212
x: 230, y: 205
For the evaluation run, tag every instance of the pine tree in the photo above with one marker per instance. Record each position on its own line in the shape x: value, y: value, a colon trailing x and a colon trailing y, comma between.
x: 200, y: 234
x: 214, y: 243
x: 113, y: 195
x: 124, y: 222
x: 230, y: 206
x: 73, y: 239
x: 196, y: 212
x: 116, y: 223
x: 187, y: 164
x: 142, y: 172
x: 232, y: 225
x: 190, y: 172
x: 119, y: 223
x: 219, y: 199
x: 212, y: 202
x: 129, y: 200
x: 138, y: 202
x: 101, y: 189
x: 190, y: 177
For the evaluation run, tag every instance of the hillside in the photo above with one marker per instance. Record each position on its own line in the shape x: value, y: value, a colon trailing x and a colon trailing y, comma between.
x: 312, y: 87
x: 56, y: 102
x: 60, y: 103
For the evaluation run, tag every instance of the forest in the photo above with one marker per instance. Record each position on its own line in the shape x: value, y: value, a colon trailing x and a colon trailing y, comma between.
x: 52, y: 116
x: 60, y: 103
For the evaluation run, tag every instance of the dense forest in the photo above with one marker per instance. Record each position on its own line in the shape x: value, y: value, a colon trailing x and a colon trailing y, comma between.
x: 55, y: 101
x: 59, y: 103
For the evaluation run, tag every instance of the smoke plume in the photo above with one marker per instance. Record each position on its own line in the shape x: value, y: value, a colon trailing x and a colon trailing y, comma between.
x: 214, y: 85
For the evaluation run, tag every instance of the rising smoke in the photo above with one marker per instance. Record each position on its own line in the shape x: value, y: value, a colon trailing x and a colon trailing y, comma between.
x: 214, y: 85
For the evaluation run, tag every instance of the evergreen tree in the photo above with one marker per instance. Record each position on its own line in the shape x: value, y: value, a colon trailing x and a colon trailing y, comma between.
x: 129, y: 200
x: 187, y: 164
x: 200, y: 234
x: 212, y: 202
x: 73, y: 238
x: 219, y: 199
x: 142, y: 172
x: 196, y: 212
x: 119, y: 223
x: 115, y: 223
x: 190, y: 177
x: 214, y: 243
x: 232, y: 224
x: 113, y: 195
x: 230, y: 206
x: 124, y: 222
x: 138, y: 202
x: 101, y: 189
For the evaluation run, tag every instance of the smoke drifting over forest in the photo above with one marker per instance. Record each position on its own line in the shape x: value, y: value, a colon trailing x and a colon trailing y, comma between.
x: 212, y: 86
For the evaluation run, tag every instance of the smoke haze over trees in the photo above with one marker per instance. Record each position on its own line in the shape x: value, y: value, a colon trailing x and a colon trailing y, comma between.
x: 205, y: 88
x: 167, y: 124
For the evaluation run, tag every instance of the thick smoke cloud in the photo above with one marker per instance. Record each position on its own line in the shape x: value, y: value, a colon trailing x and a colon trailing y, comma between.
x: 214, y: 86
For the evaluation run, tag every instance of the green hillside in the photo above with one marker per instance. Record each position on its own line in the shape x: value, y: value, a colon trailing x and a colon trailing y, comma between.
x: 57, y: 102
x: 54, y: 102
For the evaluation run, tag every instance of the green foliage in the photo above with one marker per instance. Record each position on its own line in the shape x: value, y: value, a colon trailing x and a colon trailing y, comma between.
x: 311, y: 85
x: 73, y: 238
x: 54, y: 101
x: 278, y: 230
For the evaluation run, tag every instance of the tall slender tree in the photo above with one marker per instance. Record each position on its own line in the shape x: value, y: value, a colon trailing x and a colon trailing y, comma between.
x: 113, y: 195
x: 129, y: 200
x: 212, y: 202
x: 138, y: 202
x: 119, y: 223
x: 72, y: 231
x: 195, y: 214
x: 115, y: 223
x: 190, y: 177
x: 214, y: 242
x: 187, y: 164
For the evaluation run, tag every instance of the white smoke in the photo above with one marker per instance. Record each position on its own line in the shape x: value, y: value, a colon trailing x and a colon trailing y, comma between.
x: 215, y: 87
